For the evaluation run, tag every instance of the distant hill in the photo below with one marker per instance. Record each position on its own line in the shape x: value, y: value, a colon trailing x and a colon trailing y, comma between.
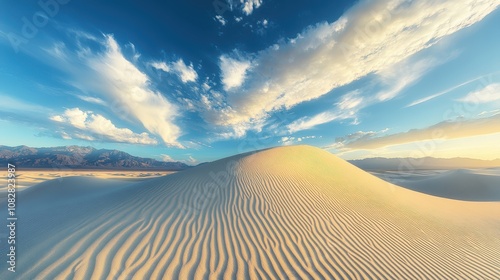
x: 80, y: 158
x: 405, y: 164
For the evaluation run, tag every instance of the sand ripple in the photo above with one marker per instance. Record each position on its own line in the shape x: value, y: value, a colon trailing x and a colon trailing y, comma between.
x: 284, y: 213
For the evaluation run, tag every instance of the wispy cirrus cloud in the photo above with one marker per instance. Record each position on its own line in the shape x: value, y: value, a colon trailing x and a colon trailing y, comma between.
x: 89, y: 126
x: 92, y: 99
x: 402, y: 75
x: 370, y: 38
x: 11, y: 104
x: 448, y: 90
x: 346, y: 108
x: 460, y: 128
x: 393, y: 80
x: 341, y: 142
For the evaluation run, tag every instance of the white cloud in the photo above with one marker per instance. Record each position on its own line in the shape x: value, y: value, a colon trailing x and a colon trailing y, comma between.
x: 57, y: 50
x: 290, y: 140
x: 167, y: 158
x: 402, y: 75
x: 488, y: 94
x: 135, y: 55
x: 206, y: 86
x: 250, y: 5
x: 186, y: 73
x: 350, y: 101
x: 490, y: 113
x: 370, y: 38
x: 287, y: 140
x: 96, y: 127
x: 126, y: 89
x: 65, y: 136
x: 160, y: 65
x: 310, y: 122
x: 220, y: 19
x: 346, y: 108
x: 92, y: 99
x: 191, y: 160
x: 81, y: 136
x: 57, y: 118
x: 238, y: 19
x: 342, y: 142
x: 233, y: 71
x: 263, y: 24
x: 75, y: 117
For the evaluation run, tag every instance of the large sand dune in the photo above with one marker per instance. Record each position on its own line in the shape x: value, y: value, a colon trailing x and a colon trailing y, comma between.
x: 283, y: 213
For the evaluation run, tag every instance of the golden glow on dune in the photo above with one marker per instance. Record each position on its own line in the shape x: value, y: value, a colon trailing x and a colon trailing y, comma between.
x: 285, y: 213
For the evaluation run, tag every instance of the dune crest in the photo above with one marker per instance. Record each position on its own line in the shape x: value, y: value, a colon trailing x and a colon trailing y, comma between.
x: 284, y: 213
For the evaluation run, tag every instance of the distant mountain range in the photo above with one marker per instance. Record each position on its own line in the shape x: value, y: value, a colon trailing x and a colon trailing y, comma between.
x: 406, y: 164
x: 76, y: 157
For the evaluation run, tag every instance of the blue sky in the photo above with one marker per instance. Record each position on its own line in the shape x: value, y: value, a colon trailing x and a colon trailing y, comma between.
x: 200, y: 80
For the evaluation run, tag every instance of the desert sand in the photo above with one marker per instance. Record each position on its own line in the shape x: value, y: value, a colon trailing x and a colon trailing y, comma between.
x: 283, y: 213
x: 461, y: 184
x: 31, y: 177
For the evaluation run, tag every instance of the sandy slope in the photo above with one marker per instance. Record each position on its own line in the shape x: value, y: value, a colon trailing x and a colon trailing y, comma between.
x: 284, y: 213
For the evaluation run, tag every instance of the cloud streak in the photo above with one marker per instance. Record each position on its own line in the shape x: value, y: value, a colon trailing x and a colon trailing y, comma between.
x: 430, y: 97
x: 91, y: 127
x: 443, y: 130
x: 370, y: 38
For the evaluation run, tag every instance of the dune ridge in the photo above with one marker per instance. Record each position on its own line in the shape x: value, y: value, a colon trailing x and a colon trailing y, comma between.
x: 284, y: 213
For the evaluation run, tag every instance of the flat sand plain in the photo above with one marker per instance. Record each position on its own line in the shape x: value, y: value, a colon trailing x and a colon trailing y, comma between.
x: 31, y: 177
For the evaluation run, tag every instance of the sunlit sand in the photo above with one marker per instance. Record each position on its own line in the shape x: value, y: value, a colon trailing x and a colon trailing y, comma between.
x: 283, y: 213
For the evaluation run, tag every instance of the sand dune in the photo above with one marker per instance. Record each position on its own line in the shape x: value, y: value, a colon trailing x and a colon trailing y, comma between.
x: 284, y: 213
